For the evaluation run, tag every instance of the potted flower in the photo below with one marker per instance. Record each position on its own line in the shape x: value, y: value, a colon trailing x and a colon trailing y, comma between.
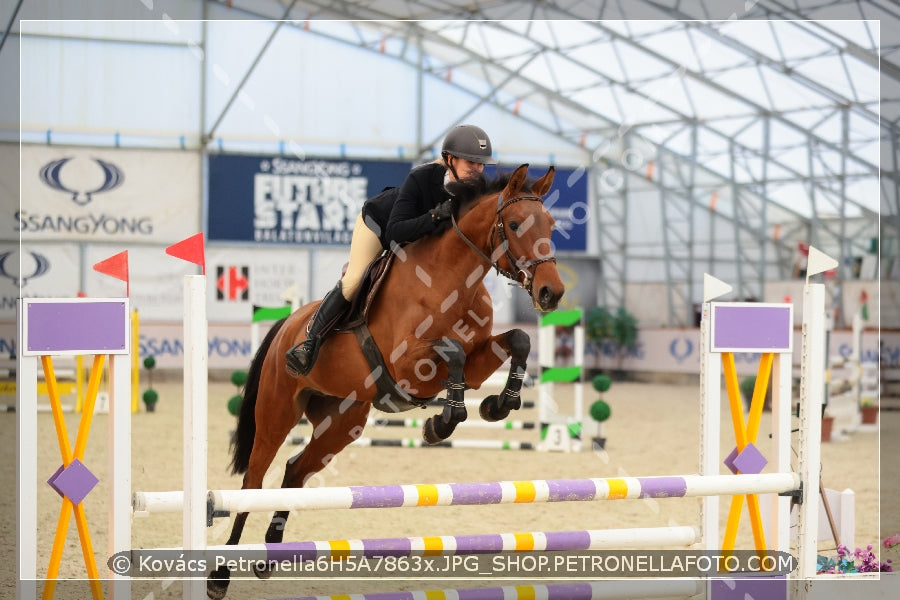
x: 869, y: 410
x: 827, y: 426
x: 858, y: 561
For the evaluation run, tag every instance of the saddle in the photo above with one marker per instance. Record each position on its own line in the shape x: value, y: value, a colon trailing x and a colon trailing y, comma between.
x: 391, y: 397
x: 372, y: 279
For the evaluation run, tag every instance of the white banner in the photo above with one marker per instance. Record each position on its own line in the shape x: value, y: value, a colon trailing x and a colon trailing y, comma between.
x: 108, y: 194
x: 238, y: 279
x: 36, y: 271
x: 678, y: 351
x: 156, y: 280
x: 9, y: 189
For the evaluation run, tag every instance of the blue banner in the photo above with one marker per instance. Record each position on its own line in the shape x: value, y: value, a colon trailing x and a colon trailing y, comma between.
x: 287, y: 200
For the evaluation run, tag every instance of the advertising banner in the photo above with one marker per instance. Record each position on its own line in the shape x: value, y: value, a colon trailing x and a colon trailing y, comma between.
x: 36, y: 271
x: 9, y: 188
x: 285, y: 200
x: 567, y: 202
x: 107, y: 194
x: 237, y: 278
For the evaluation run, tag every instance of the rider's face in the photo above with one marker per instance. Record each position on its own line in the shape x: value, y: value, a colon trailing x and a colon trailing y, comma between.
x: 466, y: 168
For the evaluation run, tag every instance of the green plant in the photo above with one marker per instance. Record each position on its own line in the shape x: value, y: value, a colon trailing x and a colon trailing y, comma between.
x: 239, y: 379
x: 625, y: 329
x: 746, y: 386
x: 150, y: 396
x: 620, y: 328
x: 599, y: 324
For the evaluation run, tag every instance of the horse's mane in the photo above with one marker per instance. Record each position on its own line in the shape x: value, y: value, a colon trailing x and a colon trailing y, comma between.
x: 467, y: 191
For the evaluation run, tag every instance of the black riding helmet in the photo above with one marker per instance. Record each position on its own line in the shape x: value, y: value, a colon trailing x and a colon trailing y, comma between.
x: 469, y: 142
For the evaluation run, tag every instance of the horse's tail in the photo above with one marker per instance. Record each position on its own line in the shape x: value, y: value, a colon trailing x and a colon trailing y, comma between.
x: 242, y: 440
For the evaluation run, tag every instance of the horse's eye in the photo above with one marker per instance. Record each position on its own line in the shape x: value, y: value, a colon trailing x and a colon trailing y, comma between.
x: 514, y: 225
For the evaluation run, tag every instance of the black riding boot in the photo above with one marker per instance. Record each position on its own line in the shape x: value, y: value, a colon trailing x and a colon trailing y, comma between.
x: 302, y: 357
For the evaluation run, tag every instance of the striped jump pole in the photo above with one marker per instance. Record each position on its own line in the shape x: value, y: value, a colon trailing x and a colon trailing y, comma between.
x: 420, y: 443
x: 418, y: 423
x: 492, y: 543
x: 475, y: 493
x: 597, y: 590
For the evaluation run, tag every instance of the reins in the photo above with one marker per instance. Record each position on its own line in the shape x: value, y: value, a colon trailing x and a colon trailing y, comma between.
x: 496, y: 252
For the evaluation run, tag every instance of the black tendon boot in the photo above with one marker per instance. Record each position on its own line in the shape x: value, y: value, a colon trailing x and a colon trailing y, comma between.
x: 302, y: 357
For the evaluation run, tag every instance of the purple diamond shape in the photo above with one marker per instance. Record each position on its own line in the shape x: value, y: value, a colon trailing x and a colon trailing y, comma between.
x: 750, y: 460
x: 729, y: 461
x: 74, y: 482
x: 770, y: 588
x: 52, y: 480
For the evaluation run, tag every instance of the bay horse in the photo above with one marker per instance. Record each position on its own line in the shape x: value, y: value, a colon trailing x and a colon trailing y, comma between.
x: 432, y: 322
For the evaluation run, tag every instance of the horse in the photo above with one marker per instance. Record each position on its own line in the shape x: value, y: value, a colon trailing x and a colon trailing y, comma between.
x: 431, y: 319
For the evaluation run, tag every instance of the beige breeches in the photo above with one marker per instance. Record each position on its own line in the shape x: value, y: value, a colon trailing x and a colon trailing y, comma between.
x: 364, y: 248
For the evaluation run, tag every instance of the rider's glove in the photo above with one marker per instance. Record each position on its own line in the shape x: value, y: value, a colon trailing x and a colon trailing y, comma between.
x: 442, y: 211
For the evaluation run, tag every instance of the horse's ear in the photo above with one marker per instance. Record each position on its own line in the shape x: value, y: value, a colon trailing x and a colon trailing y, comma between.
x: 516, y: 181
x: 542, y: 185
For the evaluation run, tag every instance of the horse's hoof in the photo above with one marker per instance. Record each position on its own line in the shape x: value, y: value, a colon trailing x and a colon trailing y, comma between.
x: 489, y: 410
x: 217, y: 584
x: 435, y: 431
x: 262, y: 570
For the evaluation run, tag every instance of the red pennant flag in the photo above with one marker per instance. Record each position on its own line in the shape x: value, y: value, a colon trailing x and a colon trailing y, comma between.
x: 190, y: 249
x: 115, y: 266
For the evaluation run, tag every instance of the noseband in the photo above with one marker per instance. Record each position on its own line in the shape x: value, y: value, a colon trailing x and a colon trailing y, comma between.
x: 526, y: 268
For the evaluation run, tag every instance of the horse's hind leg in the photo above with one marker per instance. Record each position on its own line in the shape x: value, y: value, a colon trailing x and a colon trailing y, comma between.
x: 440, y: 427
x: 516, y: 344
x: 336, y: 423
x: 269, y: 438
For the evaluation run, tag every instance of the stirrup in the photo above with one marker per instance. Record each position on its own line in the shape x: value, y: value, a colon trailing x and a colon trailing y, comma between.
x: 308, y: 347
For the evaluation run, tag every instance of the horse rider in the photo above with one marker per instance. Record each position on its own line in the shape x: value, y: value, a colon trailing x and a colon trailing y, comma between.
x: 421, y: 207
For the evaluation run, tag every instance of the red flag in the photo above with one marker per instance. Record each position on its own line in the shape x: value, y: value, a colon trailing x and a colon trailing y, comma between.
x: 115, y: 266
x: 189, y: 249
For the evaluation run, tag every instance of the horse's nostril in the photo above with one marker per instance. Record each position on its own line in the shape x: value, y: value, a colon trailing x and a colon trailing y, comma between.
x: 546, y: 296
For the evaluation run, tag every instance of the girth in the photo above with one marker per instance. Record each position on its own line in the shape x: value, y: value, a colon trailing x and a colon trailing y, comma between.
x: 391, y: 397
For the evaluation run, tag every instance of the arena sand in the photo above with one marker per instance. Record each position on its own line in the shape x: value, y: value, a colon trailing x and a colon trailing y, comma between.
x: 654, y: 430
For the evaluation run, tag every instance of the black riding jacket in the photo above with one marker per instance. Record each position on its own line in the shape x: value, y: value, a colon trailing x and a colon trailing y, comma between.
x: 404, y: 215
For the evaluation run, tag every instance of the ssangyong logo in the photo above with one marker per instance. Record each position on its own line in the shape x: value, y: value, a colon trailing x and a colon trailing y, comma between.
x: 112, y: 178
x: 40, y: 265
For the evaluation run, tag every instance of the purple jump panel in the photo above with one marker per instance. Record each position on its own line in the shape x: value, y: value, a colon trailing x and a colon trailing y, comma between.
x: 751, y: 327
x: 76, y: 327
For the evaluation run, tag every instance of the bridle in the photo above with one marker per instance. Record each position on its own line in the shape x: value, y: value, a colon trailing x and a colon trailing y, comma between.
x: 526, y: 268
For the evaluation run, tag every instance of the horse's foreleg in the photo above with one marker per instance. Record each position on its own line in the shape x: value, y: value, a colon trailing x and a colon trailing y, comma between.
x: 517, y: 344
x: 440, y: 427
